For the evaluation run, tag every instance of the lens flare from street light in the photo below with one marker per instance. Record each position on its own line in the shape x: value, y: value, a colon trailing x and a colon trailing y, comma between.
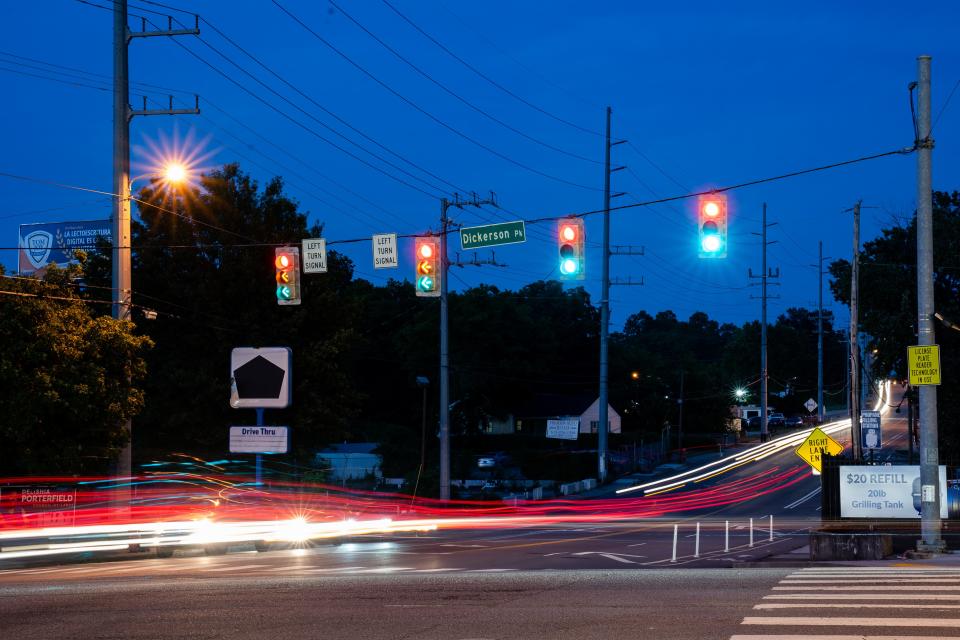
x: 740, y: 393
x: 175, y: 173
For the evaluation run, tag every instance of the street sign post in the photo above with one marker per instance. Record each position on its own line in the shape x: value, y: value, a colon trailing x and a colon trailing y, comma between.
x: 924, y: 364
x: 259, y: 439
x: 315, y: 255
x: 817, y: 443
x: 260, y: 378
x: 385, y: 251
x: 810, y: 405
x: 492, y: 235
x: 870, y: 429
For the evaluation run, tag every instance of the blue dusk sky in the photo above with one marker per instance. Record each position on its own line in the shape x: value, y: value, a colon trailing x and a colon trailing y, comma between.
x: 708, y: 94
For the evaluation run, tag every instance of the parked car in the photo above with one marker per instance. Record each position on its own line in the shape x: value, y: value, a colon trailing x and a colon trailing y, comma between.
x: 794, y: 421
x: 776, y: 421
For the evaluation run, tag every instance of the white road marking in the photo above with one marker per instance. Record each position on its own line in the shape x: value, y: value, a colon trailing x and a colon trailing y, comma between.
x: 855, y: 596
x: 851, y: 605
x: 874, y: 581
x: 819, y: 621
x: 864, y: 588
x: 438, y: 570
x: 834, y: 637
x: 490, y: 570
x: 797, y: 503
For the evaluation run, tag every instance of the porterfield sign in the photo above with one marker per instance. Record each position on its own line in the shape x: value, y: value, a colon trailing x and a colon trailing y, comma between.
x: 885, y: 492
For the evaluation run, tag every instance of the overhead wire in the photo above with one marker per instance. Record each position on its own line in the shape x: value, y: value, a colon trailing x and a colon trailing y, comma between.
x: 427, y: 113
x: 484, y: 76
x: 457, y: 96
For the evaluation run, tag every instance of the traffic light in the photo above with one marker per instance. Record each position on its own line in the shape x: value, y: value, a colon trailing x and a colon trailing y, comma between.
x: 572, y: 261
x: 427, y: 281
x: 712, y: 224
x: 287, y: 262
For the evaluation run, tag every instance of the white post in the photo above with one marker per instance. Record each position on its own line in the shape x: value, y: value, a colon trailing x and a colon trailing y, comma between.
x: 696, y: 546
x: 726, y: 536
x: 751, y: 532
x: 674, y: 557
x: 771, y: 527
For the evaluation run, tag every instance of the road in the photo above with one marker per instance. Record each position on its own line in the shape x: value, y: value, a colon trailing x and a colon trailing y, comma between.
x: 907, y: 602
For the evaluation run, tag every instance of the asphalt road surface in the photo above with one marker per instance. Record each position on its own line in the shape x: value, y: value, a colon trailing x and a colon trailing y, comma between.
x: 905, y: 602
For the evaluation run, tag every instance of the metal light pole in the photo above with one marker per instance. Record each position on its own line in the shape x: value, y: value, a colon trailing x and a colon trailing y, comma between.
x: 930, y: 524
x: 604, y: 316
x: 820, y: 410
x: 444, y: 360
x: 855, y: 338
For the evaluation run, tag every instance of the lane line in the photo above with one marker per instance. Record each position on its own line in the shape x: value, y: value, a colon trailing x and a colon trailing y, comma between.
x: 235, y: 568
x: 875, y: 580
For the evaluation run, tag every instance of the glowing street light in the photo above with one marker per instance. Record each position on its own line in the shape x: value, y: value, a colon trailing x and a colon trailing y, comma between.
x: 740, y: 393
x: 175, y: 173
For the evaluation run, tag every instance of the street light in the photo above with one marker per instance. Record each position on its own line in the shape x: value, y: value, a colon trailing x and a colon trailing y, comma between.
x: 740, y: 393
x: 173, y: 173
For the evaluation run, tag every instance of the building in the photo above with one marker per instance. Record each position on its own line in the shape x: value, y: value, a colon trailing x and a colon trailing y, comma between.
x: 531, y: 417
x: 351, y: 461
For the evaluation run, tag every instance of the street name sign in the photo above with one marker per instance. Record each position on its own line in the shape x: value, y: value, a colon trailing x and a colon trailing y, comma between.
x: 870, y: 429
x: 492, y: 235
x: 567, y: 429
x: 385, y: 251
x: 260, y: 378
x: 265, y: 439
x: 885, y: 492
x: 924, y: 364
x: 315, y: 255
x: 810, y: 404
x: 812, y: 449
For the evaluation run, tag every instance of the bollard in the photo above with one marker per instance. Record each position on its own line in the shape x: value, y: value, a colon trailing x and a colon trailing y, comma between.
x: 751, y: 532
x: 771, y: 527
x: 674, y: 557
x: 726, y: 536
x: 696, y: 545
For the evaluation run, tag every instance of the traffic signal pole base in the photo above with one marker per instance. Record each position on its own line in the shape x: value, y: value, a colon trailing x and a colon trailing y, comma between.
x: 930, y: 549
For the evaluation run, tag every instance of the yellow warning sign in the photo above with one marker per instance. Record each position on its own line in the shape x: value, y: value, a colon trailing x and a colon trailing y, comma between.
x: 811, y: 450
x: 924, y: 364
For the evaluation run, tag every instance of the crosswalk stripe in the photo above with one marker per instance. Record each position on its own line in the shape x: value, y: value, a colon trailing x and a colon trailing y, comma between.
x: 846, y: 569
x: 819, y: 621
x: 855, y: 596
x: 807, y: 636
x: 873, y: 580
x: 851, y: 605
x: 438, y: 570
x: 905, y: 587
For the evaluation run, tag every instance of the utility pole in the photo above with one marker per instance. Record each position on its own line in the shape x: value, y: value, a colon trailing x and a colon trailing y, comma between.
x: 680, y: 419
x: 444, y: 335
x: 930, y: 524
x: 765, y: 275
x: 120, y: 222
x: 820, y: 409
x: 855, y: 338
x: 603, y: 417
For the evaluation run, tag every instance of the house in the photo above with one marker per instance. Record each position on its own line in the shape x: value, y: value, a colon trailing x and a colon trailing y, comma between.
x: 531, y: 417
x: 351, y: 461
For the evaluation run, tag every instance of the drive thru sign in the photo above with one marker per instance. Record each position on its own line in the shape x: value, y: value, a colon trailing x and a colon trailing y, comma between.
x: 811, y: 450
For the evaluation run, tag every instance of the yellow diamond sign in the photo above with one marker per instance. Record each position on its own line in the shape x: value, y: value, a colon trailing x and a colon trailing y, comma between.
x: 812, y: 449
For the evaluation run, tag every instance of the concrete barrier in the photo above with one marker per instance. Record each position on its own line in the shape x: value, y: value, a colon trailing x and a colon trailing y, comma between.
x: 850, y: 546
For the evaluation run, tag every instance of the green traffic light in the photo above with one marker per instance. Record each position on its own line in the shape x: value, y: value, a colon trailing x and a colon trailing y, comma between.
x: 426, y: 283
x: 284, y: 292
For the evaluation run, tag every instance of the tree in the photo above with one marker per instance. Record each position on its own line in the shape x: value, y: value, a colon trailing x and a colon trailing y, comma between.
x: 888, y: 301
x: 207, y: 269
x: 72, y: 377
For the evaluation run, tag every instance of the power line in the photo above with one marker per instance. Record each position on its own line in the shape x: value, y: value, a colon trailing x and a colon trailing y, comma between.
x: 581, y: 214
x: 452, y: 93
x: 320, y: 106
x: 488, y: 78
x: 439, y: 121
